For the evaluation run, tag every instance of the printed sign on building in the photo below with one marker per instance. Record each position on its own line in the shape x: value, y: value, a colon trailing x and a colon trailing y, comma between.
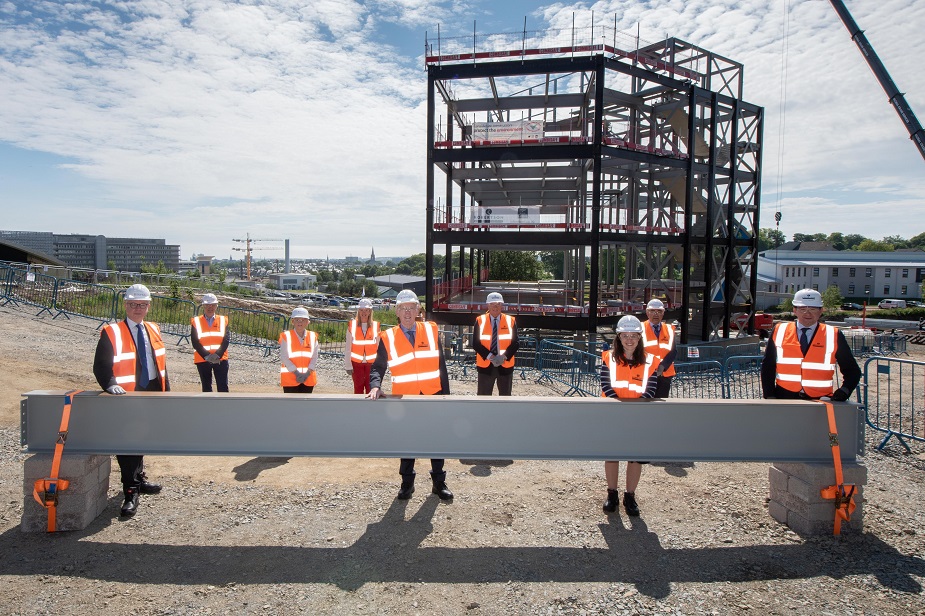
x: 506, y: 132
x: 506, y: 215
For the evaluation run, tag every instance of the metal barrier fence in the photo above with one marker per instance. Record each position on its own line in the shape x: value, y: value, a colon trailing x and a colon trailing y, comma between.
x: 6, y: 274
x: 742, y: 376
x: 31, y: 288
x: 893, y: 392
x: 91, y: 301
x: 254, y: 328
x: 865, y: 343
x: 575, y: 369
x: 698, y: 379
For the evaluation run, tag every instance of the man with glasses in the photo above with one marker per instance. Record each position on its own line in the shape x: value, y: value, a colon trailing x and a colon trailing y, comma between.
x: 412, y: 352
x: 210, y: 337
x: 801, y: 356
x: 495, y: 341
x: 130, y: 356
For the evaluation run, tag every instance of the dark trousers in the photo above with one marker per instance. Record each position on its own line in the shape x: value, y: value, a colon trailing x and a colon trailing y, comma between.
x: 361, y: 377
x: 133, y: 467
x: 488, y: 377
x: 221, y: 375
x: 663, y: 386
x: 299, y: 389
x: 406, y: 468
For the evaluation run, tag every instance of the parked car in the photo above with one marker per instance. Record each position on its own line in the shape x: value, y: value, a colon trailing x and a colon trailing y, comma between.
x: 892, y: 303
x: 914, y: 304
x: 851, y: 306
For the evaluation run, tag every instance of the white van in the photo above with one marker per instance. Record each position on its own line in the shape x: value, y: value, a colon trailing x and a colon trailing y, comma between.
x: 892, y: 303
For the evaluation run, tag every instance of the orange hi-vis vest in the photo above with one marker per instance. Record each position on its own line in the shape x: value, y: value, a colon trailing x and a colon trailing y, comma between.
x: 661, y: 345
x: 364, y: 347
x: 124, y: 353
x: 301, y: 355
x: 629, y: 381
x: 505, y: 336
x: 414, y: 370
x: 210, y: 336
x: 813, y: 374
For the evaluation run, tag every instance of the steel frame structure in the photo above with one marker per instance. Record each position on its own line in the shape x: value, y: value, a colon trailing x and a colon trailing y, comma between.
x: 650, y: 164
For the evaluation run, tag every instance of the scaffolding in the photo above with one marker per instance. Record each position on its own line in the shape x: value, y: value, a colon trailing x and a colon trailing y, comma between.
x: 638, y: 163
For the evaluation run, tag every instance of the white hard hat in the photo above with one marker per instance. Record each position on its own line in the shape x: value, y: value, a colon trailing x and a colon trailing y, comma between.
x: 807, y: 297
x: 629, y: 324
x: 365, y: 303
x: 495, y: 298
x: 138, y: 292
x: 405, y: 296
x: 299, y: 313
x: 209, y: 298
x: 655, y: 304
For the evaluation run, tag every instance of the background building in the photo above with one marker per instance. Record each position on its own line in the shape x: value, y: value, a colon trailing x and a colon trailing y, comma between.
x: 859, y: 276
x: 125, y: 254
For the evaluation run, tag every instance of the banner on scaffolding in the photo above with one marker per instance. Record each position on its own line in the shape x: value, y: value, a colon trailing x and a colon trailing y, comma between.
x: 505, y: 215
x: 506, y: 132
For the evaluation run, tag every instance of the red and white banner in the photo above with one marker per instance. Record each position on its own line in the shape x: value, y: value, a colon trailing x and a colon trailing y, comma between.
x: 505, y: 132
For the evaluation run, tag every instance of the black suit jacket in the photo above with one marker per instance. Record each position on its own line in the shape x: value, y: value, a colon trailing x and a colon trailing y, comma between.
x: 102, y: 366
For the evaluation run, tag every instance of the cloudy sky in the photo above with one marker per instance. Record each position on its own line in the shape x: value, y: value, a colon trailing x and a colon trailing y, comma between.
x: 202, y: 121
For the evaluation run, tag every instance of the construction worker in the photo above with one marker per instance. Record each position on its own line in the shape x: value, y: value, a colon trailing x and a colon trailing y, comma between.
x: 361, y: 345
x: 210, y: 336
x: 658, y: 339
x: 130, y: 356
x: 298, y: 355
x: 627, y: 372
x: 495, y: 341
x: 800, y: 359
x: 412, y: 352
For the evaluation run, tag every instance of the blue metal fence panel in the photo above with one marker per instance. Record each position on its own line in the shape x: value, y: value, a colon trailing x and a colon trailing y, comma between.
x: 6, y: 277
x: 32, y: 289
x: 698, y: 379
x: 255, y: 328
x: 894, y: 395
x: 742, y: 376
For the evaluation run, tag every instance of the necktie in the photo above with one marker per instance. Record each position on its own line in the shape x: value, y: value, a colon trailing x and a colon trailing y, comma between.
x: 656, y: 329
x: 143, y: 379
x: 494, y: 336
x: 804, y: 340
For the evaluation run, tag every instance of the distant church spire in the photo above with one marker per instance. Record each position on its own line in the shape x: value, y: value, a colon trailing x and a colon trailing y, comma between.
x: 372, y: 255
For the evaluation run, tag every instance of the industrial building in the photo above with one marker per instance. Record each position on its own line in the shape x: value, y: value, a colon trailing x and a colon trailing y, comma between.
x: 638, y: 164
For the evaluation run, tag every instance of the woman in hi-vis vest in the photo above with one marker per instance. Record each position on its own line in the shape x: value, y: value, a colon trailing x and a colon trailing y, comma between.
x: 627, y: 372
x: 361, y: 345
x: 298, y: 354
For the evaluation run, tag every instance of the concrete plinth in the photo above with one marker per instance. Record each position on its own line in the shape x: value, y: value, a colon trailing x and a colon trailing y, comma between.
x: 796, y: 501
x: 80, y: 504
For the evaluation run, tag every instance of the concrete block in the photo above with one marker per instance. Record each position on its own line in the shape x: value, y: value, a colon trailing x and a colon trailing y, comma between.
x: 777, y: 480
x: 78, y: 505
x: 808, y: 527
x: 823, y: 474
x: 777, y: 511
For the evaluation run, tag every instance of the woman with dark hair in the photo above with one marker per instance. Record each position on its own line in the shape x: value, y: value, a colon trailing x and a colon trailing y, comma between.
x: 627, y: 372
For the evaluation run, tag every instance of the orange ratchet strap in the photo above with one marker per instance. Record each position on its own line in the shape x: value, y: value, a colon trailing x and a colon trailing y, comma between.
x: 841, y: 493
x: 46, y: 490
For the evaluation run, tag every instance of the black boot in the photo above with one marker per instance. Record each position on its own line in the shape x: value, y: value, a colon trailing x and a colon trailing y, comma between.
x: 147, y: 487
x: 440, y: 488
x: 629, y: 503
x: 130, y: 506
x: 613, y: 500
x: 407, y: 487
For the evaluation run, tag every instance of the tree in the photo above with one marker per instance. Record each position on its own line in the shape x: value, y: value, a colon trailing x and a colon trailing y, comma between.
x: 874, y: 246
x: 832, y: 297
x: 807, y: 237
x: 554, y: 264
x: 896, y: 241
x: 917, y: 241
x: 852, y: 240
x: 514, y: 265
x: 770, y: 238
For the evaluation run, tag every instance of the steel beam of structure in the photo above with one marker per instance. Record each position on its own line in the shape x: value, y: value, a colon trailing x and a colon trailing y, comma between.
x: 529, y: 428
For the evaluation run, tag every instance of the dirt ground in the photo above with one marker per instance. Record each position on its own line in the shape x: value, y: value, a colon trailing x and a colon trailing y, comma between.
x: 326, y: 536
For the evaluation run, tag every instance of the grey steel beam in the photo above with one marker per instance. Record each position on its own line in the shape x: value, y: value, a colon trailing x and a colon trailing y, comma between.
x: 533, y: 428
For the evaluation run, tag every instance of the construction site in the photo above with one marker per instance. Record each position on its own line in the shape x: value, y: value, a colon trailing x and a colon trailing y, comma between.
x: 639, y: 164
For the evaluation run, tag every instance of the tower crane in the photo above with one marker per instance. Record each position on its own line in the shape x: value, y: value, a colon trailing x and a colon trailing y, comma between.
x: 247, y: 241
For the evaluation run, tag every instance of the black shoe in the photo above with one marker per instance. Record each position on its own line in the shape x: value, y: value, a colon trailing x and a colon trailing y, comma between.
x: 442, y: 491
x: 613, y: 500
x: 629, y: 503
x: 406, y: 490
x: 147, y: 487
x: 130, y: 506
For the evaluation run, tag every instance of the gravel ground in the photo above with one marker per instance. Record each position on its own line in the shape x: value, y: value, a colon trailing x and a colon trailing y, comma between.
x: 309, y: 535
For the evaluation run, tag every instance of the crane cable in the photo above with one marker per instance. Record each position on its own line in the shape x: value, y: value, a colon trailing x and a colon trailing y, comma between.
x: 782, y: 124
